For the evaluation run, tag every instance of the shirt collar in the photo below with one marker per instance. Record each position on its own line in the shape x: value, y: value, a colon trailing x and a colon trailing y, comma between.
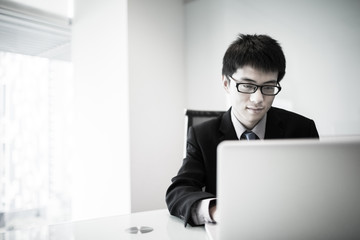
x: 259, y: 128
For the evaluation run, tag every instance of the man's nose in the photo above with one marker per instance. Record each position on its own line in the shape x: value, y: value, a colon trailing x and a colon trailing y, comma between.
x: 257, y: 97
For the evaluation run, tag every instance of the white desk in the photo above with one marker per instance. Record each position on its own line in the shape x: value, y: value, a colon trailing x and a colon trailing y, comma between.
x: 111, y: 228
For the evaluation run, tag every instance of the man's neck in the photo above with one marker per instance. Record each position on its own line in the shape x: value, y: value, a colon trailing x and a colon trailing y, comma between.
x: 258, y: 129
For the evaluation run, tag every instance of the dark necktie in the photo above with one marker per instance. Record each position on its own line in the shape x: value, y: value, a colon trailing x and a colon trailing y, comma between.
x: 248, y: 135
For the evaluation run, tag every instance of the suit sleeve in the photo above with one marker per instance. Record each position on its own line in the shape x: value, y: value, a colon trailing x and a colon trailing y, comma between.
x: 313, y: 133
x: 186, y: 187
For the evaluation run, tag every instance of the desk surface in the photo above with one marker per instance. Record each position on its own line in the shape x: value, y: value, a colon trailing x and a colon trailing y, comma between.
x: 117, y: 227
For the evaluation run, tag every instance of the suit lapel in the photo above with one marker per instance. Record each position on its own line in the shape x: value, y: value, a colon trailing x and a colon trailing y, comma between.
x: 226, y: 128
x: 274, y: 125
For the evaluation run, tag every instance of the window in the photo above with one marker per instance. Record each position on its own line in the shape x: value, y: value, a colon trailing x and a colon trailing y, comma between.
x: 35, y: 113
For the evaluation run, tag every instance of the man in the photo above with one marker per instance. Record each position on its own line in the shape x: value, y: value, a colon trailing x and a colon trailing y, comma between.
x: 253, y: 67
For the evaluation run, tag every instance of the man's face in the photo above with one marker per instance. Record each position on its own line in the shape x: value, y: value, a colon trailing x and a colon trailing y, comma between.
x: 250, y: 108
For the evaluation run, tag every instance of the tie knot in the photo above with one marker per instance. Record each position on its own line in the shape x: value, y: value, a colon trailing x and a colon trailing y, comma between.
x: 248, y: 135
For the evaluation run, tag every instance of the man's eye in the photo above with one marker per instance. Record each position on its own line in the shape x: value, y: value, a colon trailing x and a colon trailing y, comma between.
x: 268, y: 87
x: 248, y: 86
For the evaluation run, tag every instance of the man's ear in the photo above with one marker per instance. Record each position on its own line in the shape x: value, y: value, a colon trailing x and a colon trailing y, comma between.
x: 226, y: 83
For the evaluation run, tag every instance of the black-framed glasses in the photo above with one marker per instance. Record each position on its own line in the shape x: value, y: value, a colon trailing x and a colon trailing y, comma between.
x: 249, y: 88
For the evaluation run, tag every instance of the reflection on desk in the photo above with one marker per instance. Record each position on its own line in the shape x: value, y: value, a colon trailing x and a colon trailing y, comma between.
x: 156, y: 224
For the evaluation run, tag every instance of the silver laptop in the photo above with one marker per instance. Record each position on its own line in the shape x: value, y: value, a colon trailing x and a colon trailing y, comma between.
x: 288, y: 190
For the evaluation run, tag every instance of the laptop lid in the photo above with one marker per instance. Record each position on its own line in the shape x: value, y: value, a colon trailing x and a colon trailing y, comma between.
x: 288, y: 189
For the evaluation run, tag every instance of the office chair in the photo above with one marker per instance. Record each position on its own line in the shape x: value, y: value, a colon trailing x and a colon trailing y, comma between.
x: 194, y: 117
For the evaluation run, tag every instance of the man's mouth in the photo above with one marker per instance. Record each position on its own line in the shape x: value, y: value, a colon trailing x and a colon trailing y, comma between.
x: 255, y: 109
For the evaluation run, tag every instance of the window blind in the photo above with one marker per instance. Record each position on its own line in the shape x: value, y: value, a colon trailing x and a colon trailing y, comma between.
x: 30, y: 31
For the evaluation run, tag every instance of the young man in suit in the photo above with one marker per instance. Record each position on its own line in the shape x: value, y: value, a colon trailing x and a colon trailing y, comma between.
x: 253, y: 67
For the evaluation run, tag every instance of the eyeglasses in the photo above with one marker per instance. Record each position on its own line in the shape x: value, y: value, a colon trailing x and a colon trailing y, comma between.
x: 249, y: 88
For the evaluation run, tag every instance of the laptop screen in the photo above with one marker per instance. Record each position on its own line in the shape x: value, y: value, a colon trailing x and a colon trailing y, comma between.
x: 289, y: 189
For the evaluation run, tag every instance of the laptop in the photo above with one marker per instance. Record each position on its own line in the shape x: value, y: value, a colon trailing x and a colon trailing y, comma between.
x: 288, y: 190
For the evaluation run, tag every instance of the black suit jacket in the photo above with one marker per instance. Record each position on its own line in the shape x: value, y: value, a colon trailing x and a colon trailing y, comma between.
x: 196, y: 179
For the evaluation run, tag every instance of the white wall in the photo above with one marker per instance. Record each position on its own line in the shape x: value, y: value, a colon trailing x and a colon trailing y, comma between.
x: 157, y: 97
x: 204, y: 34
x: 101, y: 162
x: 321, y: 43
x: 153, y: 93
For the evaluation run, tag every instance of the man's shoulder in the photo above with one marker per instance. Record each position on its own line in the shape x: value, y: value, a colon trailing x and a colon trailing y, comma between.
x: 286, y: 124
x: 286, y: 114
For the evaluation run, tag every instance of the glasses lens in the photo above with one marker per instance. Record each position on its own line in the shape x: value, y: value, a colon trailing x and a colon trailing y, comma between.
x: 270, y: 90
x: 246, y: 88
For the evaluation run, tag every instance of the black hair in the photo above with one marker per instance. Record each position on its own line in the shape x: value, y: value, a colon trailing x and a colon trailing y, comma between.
x: 258, y: 51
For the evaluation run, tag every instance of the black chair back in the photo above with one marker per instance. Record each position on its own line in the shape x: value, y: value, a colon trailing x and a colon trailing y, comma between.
x: 194, y: 117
